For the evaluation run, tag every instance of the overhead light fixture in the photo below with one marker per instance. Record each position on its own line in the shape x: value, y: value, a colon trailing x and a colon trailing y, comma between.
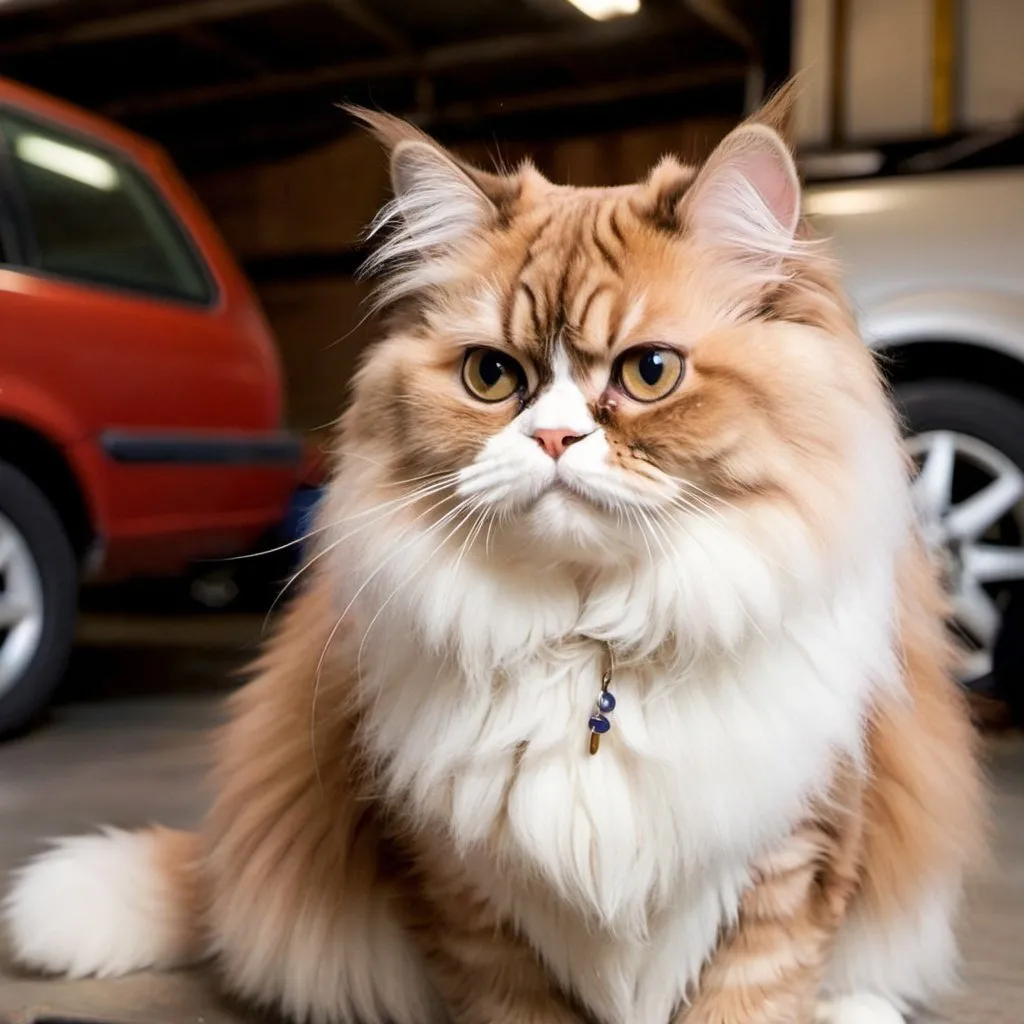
x: 67, y: 161
x: 605, y: 10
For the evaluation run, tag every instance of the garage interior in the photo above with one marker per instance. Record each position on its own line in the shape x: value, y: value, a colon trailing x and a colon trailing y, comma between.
x: 245, y: 94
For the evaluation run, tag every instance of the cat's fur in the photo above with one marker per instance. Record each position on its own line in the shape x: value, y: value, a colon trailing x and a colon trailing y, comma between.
x: 408, y: 825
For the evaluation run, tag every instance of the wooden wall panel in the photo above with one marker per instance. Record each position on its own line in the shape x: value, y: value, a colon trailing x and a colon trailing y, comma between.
x: 318, y: 325
x: 318, y: 201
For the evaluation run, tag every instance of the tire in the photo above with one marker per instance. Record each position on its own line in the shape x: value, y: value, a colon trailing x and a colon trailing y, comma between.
x: 995, y: 420
x: 45, y: 564
x: 1008, y: 660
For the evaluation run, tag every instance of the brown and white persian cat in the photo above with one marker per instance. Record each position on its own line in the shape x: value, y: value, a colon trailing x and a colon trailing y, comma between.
x: 617, y: 689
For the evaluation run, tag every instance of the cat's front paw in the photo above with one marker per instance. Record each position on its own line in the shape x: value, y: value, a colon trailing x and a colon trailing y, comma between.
x: 860, y: 1008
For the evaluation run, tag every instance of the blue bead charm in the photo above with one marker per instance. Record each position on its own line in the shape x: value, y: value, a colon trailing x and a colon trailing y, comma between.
x: 604, y: 705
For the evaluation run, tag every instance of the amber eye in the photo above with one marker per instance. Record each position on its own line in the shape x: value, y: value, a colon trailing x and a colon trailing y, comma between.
x: 649, y: 374
x: 491, y: 376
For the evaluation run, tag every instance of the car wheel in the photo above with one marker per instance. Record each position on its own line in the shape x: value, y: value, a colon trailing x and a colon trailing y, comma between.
x: 38, y: 599
x: 967, y: 442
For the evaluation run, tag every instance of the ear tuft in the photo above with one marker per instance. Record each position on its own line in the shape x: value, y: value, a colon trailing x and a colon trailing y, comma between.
x: 778, y: 111
x: 440, y: 204
x: 387, y: 129
x: 747, y: 197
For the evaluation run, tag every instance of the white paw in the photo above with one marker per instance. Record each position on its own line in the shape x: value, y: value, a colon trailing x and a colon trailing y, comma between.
x: 89, y: 905
x: 860, y: 1008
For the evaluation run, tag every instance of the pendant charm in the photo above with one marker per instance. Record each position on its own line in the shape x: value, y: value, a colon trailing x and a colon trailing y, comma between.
x: 603, y: 706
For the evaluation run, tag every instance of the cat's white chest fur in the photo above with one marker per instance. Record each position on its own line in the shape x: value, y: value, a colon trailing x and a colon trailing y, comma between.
x: 619, y: 868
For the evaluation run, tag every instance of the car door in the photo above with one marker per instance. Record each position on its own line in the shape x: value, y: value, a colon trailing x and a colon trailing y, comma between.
x: 116, y: 289
x: 112, y: 312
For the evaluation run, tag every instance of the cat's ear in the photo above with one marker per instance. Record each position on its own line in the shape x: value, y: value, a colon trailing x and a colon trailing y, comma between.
x: 439, y: 201
x: 746, y: 198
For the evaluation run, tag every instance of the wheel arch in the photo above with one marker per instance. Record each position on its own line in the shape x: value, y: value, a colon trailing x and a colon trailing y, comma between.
x: 969, y: 335
x: 44, y: 463
x: 916, y: 359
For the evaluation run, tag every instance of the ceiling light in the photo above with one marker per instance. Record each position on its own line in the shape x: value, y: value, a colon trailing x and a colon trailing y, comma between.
x: 603, y: 10
x: 67, y: 161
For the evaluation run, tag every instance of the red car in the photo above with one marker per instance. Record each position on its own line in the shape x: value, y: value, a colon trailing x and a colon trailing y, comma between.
x: 140, y: 390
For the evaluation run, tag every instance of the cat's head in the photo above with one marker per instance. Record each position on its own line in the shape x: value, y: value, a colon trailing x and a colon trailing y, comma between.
x: 586, y: 373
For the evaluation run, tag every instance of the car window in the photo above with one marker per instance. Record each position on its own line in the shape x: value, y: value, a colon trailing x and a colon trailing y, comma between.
x: 97, y: 218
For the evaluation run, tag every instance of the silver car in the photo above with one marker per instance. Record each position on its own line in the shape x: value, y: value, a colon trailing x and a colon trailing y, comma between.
x: 934, y: 263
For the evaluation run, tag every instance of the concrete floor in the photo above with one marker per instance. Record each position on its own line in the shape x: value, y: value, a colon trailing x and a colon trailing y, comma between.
x: 125, y: 746
x: 131, y: 749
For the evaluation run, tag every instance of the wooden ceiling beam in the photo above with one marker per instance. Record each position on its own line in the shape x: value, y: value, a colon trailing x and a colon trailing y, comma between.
x: 496, y: 50
x: 364, y: 17
x: 717, y: 16
x: 582, y: 96
x: 217, y: 46
x: 459, y: 118
x: 151, y: 21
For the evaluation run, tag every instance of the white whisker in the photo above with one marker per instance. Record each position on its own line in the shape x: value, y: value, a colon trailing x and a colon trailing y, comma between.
x: 709, y: 499
x: 470, y: 538
x: 490, y: 526
x: 348, y: 607
x: 385, y: 509
x: 443, y: 479
x: 458, y: 526
x: 632, y: 512
x: 347, y: 453
x: 746, y: 611
x: 687, y: 504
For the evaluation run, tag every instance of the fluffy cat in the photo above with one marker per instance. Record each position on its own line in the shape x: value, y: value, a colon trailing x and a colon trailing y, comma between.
x: 617, y: 446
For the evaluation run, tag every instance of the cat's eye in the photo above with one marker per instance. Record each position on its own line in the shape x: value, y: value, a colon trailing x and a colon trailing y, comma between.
x: 491, y: 376
x: 650, y: 373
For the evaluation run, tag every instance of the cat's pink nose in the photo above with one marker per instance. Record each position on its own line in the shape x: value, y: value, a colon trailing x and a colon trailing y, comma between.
x: 555, y: 441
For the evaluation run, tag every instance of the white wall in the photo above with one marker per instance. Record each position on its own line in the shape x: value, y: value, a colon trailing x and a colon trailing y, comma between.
x: 889, y: 66
x: 992, y: 55
x: 812, y: 30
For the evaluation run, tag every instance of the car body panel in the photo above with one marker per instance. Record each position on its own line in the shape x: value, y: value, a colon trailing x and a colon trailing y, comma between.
x: 82, y: 360
x: 983, y: 319
x: 930, y: 257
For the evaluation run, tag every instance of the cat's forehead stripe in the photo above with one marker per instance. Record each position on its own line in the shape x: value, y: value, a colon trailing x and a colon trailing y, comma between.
x: 569, y: 282
x: 630, y: 320
x: 605, y: 213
